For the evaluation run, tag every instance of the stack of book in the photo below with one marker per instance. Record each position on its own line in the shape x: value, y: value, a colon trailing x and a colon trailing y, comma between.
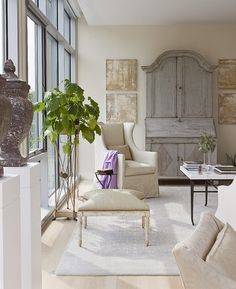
x: 192, y: 165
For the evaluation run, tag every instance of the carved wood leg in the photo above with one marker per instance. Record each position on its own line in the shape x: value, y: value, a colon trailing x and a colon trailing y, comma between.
x: 147, y: 220
x: 85, y: 222
x: 80, y: 216
x: 143, y: 222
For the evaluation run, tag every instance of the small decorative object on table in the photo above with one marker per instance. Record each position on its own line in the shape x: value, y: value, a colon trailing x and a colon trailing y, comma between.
x: 207, y: 145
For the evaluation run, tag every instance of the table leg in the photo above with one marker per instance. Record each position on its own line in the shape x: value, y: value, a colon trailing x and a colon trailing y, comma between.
x: 206, y: 193
x: 192, y: 199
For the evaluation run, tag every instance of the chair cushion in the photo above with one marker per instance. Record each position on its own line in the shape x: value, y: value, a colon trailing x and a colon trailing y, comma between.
x: 134, y: 168
x: 137, y: 194
x: 108, y: 201
x: 222, y: 255
x: 122, y: 149
x: 113, y: 134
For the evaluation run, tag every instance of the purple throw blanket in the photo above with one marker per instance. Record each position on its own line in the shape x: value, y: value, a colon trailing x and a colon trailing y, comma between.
x: 110, y: 162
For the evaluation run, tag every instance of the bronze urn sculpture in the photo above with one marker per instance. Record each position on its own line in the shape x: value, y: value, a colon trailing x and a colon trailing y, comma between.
x: 20, y: 121
x: 5, y: 113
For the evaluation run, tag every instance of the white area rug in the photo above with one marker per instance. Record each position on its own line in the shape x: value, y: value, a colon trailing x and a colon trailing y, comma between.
x: 115, y: 245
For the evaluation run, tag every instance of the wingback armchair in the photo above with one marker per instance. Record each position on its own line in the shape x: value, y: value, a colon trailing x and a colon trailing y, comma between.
x: 138, y: 170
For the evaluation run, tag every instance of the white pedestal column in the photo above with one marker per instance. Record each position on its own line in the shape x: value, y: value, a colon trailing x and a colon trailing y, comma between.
x: 30, y: 224
x: 10, y: 248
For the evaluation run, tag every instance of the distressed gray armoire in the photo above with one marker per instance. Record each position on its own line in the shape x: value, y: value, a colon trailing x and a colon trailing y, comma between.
x: 178, y: 108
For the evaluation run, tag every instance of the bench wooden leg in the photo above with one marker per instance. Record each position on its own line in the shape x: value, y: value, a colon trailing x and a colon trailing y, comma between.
x: 147, y: 221
x: 85, y: 222
x: 80, y: 217
x: 143, y: 222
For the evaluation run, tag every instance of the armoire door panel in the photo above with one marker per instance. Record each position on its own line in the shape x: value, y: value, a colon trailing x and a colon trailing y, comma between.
x: 164, y: 79
x: 191, y: 152
x: 167, y: 159
x: 194, y: 89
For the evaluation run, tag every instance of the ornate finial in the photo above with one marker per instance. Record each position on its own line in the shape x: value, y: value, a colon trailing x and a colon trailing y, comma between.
x: 9, y: 69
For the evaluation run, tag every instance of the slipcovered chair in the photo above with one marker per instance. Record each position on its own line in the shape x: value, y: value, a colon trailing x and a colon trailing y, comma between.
x: 197, y: 269
x: 136, y: 169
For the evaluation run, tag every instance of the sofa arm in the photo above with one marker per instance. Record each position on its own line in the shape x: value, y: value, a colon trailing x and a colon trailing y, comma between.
x: 198, y: 274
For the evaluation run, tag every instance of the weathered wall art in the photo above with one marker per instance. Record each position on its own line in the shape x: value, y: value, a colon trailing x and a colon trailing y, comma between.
x: 227, y: 107
x: 227, y: 74
x: 227, y: 91
x: 121, y: 107
x: 121, y: 74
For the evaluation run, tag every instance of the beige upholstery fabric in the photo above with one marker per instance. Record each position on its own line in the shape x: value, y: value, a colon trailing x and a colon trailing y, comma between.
x: 113, y: 134
x: 134, y: 168
x: 189, y: 254
x: 122, y: 149
x: 222, y: 255
x: 108, y: 201
x: 137, y: 194
x: 204, y: 235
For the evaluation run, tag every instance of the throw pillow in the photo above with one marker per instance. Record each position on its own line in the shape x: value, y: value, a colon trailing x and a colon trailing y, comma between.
x: 222, y: 255
x: 122, y: 149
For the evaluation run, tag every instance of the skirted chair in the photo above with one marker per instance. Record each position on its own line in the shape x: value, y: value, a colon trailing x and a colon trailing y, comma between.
x: 136, y: 169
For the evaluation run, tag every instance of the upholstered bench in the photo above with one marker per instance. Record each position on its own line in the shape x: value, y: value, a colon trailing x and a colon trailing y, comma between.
x: 113, y: 202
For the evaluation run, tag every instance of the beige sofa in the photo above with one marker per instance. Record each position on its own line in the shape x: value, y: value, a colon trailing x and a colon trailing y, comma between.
x: 190, y: 256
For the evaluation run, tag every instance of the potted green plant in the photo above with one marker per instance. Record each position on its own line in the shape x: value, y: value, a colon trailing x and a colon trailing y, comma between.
x: 207, y: 144
x: 67, y: 112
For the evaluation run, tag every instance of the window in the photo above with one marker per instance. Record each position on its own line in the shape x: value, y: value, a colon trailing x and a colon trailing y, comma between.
x: 51, y: 59
x: 35, y: 80
x: 52, y: 11
x: 67, y: 29
x: 67, y: 65
x: 52, y: 81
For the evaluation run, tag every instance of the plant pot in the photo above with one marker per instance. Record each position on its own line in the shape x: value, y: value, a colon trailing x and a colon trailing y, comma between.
x: 20, y: 121
x: 5, y: 113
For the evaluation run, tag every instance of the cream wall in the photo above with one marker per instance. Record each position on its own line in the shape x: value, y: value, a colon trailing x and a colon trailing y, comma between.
x: 145, y: 43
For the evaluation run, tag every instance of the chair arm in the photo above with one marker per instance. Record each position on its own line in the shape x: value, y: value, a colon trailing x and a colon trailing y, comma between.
x: 144, y: 156
x: 120, y: 171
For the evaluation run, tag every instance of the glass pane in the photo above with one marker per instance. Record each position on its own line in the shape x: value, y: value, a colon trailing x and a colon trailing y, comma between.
x: 52, y: 11
x: 52, y: 62
x: 35, y: 140
x: 67, y: 68
x: 52, y: 169
x: 67, y: 29
x: 52, y: 82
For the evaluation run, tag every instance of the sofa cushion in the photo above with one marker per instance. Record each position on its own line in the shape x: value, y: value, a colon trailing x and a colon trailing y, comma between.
x: 108, y: 201
x: 204, y: 236
x: 134, y: 168
x: 113, y: 134
x: 122, y: 149
x: 222, y: 255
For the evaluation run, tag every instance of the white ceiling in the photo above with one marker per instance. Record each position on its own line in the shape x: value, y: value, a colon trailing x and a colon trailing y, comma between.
x: 154, y: 12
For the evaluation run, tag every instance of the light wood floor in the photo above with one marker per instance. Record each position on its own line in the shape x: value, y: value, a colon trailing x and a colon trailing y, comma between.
x: 54, y: 241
